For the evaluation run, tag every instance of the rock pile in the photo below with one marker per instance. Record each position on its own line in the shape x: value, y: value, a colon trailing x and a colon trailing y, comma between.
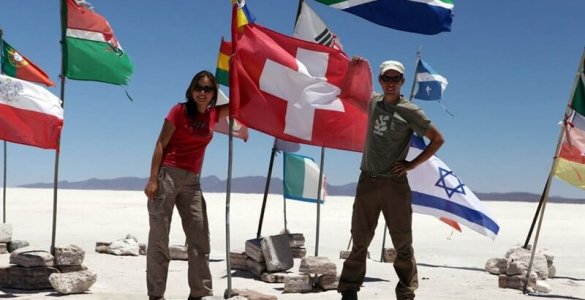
x: 270, y: 259
x: 512, y: 269
x: 127, y: 246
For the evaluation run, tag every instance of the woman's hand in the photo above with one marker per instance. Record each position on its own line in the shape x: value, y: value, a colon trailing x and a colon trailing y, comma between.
x: 150, y: 189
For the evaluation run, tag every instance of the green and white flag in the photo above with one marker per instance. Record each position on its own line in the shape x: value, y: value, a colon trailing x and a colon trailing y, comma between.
x: 301, y: 178
x: 90, y: 50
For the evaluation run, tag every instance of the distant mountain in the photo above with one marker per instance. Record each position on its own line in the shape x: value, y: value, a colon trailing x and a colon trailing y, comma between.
x: 248, y: 184
x: 256, y: 185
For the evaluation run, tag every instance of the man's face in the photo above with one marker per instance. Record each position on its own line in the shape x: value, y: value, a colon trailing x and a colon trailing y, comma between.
x: 391, y: 82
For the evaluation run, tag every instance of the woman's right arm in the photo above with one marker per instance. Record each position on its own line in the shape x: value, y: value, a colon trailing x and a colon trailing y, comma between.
x: 163, y: 139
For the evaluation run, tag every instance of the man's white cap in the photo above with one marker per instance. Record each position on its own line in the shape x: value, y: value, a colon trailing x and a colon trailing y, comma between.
x: 391, y: 65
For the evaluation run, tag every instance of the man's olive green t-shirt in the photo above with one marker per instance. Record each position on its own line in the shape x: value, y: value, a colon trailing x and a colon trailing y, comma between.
x: 390, y: 128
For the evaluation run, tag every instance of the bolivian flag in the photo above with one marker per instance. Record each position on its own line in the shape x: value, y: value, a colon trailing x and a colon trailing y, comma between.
x: 571, y: 160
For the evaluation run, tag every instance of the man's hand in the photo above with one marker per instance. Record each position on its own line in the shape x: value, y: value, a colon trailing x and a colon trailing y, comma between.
x: 402, y: 167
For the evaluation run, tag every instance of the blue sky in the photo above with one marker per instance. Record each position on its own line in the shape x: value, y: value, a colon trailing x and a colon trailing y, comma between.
x: 510, y: 66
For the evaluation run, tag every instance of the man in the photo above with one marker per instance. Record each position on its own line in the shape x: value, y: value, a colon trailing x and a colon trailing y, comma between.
x: 383, y: 185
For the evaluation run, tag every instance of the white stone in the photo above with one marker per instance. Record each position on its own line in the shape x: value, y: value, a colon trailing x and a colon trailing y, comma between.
x: 73, y: 282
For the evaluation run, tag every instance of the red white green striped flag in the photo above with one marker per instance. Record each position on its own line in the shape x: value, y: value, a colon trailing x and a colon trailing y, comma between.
x: 90, y: 50
x: 29, y: 114
x: 17, y: 65
x: 571, y: 161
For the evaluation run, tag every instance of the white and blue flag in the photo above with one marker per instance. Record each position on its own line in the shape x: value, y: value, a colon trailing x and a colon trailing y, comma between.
x: 438, y: 192
x: 429, y: 84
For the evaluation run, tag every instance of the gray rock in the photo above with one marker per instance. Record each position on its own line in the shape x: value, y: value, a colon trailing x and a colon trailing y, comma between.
x: 5, y: 233
x: 69, y: 255
x: 389, y: 255
x: 298, y: 252
x: 124, y: 247
x: 253, y: 249
x: 277, y: 253
x: 278, y: 277
x: 317, y: 265
x: 298, y: 284
x: 496, y: 265
x: 74, y: 282
x: 328, y: 282
x: 26, y: 278
x: 252, y: 295
x: 16, y: 244
x: 131, y: 237
x: 522, y: 257
x: 142, y: 247
x: 178, y: 252
x: 71, y: 268
x: 102, y: 247
x: 297, y: 240
x: 31, y: 257
x: 238, y: 260
x: 254, y: 267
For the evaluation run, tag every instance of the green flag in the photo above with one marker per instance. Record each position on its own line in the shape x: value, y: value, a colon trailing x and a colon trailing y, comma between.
x: 91, y: 51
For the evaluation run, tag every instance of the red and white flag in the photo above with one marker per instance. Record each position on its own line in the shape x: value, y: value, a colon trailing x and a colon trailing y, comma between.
x: 29, y: 114
x: 299, y: 91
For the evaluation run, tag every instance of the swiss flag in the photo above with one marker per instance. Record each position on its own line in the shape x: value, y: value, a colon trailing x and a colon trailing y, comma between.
x: 299, y: 91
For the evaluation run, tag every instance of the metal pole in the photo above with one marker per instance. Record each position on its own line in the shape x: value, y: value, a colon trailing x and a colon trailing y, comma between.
x: 56, y: 174
x: 266, y: 188
x: 319, y: 201
x: 414, y: 77
x: 579, y: 76
x: 5, y: 147
x: 284, y: 210
x: 4, y: 185
x: 383, y: 243
x: 536, y: 214
x: 228, y: 292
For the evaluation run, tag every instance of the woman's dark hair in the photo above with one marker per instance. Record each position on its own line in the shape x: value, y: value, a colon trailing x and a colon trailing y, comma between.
x: 191, y: 105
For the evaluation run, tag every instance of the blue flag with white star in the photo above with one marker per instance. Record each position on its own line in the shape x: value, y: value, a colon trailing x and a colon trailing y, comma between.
x: 437, y: 191
x: 429, y: 85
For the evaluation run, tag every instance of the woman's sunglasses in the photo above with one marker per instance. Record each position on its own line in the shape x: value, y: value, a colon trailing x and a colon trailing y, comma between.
x: 203, y: 88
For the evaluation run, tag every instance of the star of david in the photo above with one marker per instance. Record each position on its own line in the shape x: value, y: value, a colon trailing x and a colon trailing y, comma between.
x: 443, y: 184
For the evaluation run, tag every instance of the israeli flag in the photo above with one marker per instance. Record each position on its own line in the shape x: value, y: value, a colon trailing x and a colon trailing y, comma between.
x: 438, y: 192
x: 429, y: 84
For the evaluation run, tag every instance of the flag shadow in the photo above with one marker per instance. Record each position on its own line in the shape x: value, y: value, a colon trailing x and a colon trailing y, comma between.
x: 451, y: 267
x: 554, y: 296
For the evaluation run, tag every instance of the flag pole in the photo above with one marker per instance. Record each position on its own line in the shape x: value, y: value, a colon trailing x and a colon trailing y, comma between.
x: 322, y: 163
x: 266, y: 188
x: 411, y: 98
x: 319, y: 200
x: 536, y: 213
x: 4, y: 185
x: 578, y: 76
x: 5, y: 145
x: 228, y: 292
x: 57, y: 151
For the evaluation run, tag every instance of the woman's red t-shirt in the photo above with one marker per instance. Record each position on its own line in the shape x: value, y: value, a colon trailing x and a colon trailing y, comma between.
x: 186, y: 147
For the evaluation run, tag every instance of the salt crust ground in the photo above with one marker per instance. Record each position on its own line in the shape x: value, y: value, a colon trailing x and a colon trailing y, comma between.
x: 450, y: 264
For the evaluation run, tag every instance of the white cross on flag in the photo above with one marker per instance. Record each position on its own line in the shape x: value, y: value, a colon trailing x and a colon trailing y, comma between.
x: 299, y: 91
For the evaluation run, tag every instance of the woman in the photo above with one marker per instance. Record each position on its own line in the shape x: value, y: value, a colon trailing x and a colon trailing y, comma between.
x: 174, y: 180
